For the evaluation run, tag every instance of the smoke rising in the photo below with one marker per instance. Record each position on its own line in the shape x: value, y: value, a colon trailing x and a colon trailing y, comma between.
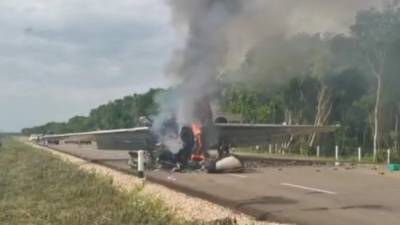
x: 217, y: 35
x: 200, y: 61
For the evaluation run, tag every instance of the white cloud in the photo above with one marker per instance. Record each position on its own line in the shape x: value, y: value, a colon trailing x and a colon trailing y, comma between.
x: 63, y: 57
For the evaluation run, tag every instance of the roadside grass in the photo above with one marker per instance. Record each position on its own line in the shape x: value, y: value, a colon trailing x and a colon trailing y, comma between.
x: 37, y: 188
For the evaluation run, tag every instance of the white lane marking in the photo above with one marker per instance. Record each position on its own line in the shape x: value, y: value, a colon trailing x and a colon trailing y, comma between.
x: 309, y: 188
x: 238, y: 175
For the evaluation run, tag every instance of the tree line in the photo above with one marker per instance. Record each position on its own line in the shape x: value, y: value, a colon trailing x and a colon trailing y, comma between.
x: 350, y: 79
x: 120, y: 113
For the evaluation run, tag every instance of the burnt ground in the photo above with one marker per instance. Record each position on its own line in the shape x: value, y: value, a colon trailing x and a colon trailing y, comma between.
x: 311, y: 193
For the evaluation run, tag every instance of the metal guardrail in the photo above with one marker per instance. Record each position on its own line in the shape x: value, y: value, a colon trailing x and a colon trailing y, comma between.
x: 96, y: 132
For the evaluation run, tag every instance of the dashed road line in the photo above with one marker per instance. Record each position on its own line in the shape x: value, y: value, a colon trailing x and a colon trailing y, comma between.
x: 238, y: 175
x: 309, y: 188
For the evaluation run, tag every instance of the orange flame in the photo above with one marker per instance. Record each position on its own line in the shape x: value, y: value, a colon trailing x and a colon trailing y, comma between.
x: 197, y: 155
x: 196, y: 128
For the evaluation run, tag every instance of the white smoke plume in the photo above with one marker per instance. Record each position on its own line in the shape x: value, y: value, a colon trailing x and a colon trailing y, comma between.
x: 199, y: 62
x: 218, y: 34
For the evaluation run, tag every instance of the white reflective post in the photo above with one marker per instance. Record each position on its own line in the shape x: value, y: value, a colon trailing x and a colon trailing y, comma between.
x: 388, y: 156
x: 141, y: 163
x: 359, y: 154
x: 337, y: 163
x: 270, y: 148
x: 337, y: 153
x: 318, y: 151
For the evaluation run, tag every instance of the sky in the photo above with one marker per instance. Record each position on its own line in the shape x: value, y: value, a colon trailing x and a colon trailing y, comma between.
x: 60, y: 58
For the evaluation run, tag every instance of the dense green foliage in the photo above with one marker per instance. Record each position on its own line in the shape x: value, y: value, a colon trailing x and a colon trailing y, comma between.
x: 121, y: 113
x: 303, y: 79
x: 295, y: 102
x: 39, y: 189
x: 328, y: 79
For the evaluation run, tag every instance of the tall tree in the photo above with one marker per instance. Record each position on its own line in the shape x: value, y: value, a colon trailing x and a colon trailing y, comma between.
x: 320, y: 67
x: 375, y: 31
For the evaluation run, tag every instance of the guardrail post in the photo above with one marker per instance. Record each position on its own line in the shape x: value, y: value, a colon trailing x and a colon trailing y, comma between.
x: 337, y: 153
x: 318, y: 151
x: 337, y: 163
x: 388, y: 156
x: 359, y: 154
x: 141, y: 163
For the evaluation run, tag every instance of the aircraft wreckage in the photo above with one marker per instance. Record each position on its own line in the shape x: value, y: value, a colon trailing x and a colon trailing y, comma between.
x: 186, y: 145
x: 195, y: 142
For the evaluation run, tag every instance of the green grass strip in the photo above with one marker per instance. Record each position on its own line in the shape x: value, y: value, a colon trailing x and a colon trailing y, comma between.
x: 37, y: 188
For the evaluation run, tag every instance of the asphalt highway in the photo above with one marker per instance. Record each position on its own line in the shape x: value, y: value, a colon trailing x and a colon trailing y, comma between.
x: 308, y: 195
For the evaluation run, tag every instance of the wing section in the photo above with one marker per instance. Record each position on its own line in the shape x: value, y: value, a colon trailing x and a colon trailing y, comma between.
x: 262, y: 134
x: 121, y: 139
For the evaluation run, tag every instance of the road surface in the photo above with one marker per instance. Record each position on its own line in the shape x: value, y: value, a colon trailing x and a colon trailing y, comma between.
x: 302, y: 195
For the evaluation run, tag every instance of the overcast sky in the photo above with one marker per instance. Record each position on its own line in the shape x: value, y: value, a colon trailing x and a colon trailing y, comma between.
x: 60, y: 58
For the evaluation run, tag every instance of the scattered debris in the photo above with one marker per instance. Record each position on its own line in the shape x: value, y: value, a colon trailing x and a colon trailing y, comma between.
x: 171, y: 178
x: 394, y: 167
x: 227, y: 164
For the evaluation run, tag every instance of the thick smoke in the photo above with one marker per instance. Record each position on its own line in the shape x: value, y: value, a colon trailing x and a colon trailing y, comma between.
x: 217, y: 35
x: 200, y: 61
x: 196, y: 65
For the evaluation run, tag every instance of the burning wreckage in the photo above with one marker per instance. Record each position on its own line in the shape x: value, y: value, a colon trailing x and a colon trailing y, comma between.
x: 203, y: 144
x: 186, y: 141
